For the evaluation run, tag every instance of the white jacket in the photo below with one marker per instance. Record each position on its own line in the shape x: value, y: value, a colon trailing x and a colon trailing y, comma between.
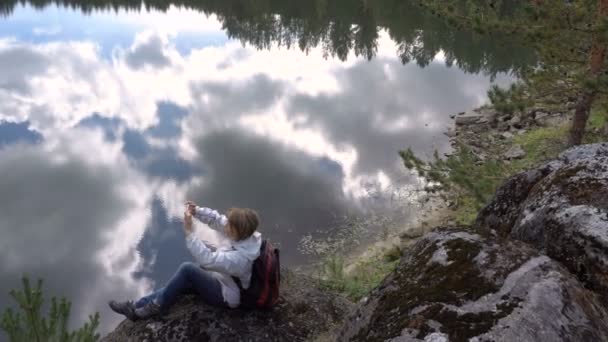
x: 235, y: 260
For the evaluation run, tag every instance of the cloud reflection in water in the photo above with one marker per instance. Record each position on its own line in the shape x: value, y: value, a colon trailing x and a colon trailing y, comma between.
x: 105, y: 148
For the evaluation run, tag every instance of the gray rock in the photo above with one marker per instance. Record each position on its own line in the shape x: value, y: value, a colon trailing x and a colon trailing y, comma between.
x: 481, y: 156
x: 450, y: 133
x: 515, y: 120
x: 505, y: 118
x: 467, y: 119
x: 501, y: 126
x: 556, y: 120
x: 413, y: 232
x: 305, y: 313
x: 507, y: 135
x: 456, y: 285
x: 561, y: 208
x: 515, y: 152
x: 488, y: 112
x: 540, y: 118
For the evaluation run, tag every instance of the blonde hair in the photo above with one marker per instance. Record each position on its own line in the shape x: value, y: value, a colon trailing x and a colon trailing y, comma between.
x: 243, y: 222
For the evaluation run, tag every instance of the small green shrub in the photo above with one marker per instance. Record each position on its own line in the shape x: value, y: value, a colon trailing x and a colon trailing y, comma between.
x: 597, y: 126
x: 460, y: 178
x: 392, y: 254
x: 509, y: 100
x: 30, y: 325
x: 360, y: 279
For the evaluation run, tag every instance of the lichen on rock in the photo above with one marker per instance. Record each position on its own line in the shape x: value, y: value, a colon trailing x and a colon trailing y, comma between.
x: 562, y: 211
x: 489, y: 290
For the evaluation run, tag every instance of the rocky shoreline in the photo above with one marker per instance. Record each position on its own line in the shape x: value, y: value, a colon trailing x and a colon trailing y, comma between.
x: 485, y: 131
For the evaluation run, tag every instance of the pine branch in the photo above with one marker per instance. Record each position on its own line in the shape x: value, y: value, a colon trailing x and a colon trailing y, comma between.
x: 33, y: 326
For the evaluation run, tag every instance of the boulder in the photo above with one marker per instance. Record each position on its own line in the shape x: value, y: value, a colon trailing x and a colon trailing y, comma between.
x: 456, y: 285
x: 561, y: 208
x: 304, y: 313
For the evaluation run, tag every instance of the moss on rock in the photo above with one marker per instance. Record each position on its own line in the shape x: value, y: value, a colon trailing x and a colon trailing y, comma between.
x: 467, y: 285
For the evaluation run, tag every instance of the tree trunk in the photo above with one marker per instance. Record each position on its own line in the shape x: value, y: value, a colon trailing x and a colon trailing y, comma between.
x: 596, y: 64
x: 581, y: 114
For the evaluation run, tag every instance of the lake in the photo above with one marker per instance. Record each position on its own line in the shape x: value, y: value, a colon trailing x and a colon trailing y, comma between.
x: 113, y: 113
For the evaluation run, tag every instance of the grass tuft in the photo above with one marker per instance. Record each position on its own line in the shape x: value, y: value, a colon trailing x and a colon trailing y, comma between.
x: 361, y: 277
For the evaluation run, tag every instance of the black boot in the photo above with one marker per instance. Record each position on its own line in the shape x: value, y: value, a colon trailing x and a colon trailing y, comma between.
x: 124, y: 308
x: 149, y: 310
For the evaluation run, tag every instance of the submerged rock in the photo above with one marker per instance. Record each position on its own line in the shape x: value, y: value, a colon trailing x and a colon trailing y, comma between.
x: 460, y: 286
x: 561, y: 208
x: 304, y: 313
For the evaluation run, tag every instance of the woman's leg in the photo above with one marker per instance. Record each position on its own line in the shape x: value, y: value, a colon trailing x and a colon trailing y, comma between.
x: 190, y: 277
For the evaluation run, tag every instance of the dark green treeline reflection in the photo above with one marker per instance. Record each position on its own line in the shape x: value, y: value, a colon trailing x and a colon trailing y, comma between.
x: 339, y: 27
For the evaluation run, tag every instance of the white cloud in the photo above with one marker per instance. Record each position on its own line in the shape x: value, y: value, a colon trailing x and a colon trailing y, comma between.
x: 78, y: 81
x: 276, y: 125
x: 46, y: 31
x: 173, y: 20
x: 73, y: 213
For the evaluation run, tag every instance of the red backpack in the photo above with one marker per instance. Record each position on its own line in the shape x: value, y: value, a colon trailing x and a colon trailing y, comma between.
x: 263, y: 291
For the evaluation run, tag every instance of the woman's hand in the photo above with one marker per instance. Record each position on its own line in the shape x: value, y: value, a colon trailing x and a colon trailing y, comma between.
x: 191, y: 207
x: 188, y: 229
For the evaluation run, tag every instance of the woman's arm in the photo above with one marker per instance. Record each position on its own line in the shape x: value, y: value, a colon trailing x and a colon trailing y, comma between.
x: 211, y: 217
x: 208, y: 216
x: 228, y: 262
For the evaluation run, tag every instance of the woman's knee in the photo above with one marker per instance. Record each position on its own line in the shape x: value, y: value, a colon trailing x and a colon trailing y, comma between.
x: 187, y: 267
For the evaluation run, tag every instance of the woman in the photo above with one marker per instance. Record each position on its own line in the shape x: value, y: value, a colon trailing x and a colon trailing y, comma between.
x: 211, y: 277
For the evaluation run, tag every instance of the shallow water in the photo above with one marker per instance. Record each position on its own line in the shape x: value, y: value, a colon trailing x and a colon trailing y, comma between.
x: 111, y: 117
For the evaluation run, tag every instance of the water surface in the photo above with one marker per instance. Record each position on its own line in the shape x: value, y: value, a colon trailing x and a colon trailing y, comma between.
x: 111, y: 115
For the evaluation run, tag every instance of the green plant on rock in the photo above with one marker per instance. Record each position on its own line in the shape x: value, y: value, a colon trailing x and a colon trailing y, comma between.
x: 30, y: 325
x: 332, y: 272
x: 361, y: 277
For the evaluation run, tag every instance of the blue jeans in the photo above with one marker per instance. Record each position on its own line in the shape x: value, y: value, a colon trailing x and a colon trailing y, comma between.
x: 190, y: 278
